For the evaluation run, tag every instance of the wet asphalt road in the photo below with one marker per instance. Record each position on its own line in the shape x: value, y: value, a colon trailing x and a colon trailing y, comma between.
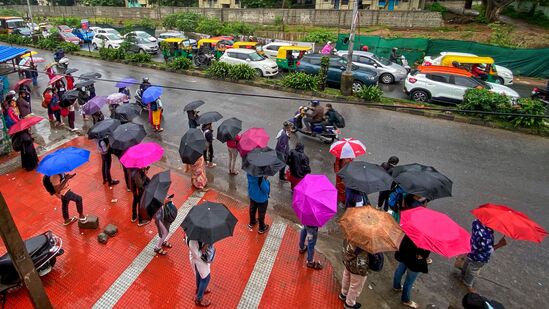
x: 486, y: 165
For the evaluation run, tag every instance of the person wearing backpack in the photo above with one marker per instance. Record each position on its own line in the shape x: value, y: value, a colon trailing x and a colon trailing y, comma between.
x: 23, y: 142
x: 155, y: 115
x: 355, y: 274
x: 259, y: 189
x: 201, y: 256
x: 383, y: 198
x: 58, y: 185
x: 163, y: 219
x: 333, y: 118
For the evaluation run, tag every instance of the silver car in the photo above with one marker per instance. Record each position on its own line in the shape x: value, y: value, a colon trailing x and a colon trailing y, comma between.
x: 387, y: 71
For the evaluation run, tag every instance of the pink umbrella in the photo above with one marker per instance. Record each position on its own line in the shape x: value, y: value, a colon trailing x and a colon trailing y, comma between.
x: 142, y: 155
x: 315, y: 200
x: 117, y: 98
x: 251, y: 139
x: 435, y: 231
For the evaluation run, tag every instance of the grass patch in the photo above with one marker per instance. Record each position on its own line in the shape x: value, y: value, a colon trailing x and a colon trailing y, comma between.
x: 538, y: 18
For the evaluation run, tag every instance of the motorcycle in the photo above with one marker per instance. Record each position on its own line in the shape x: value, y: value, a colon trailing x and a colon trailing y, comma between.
x: 541, y: 94
x: 326, y: 134
x: 43, y: 250
x: 139, y: 101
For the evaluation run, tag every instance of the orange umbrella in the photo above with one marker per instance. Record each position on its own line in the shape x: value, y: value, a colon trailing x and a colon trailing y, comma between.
x: 371, y: 229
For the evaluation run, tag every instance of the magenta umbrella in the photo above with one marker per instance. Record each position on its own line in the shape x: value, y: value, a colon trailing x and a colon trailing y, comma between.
x: 142, y: 155
x: 435, y: 231
x: 315, y: 200
x: 251, y: 139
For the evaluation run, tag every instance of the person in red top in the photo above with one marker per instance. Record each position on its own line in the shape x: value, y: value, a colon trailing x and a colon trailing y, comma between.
x: 70, y: 81
x: 233, y: 154
x: 46, y: 100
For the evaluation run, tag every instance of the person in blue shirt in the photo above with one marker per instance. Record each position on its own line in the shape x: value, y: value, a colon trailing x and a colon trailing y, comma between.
x: 259, y: 189
x: 482, y: 247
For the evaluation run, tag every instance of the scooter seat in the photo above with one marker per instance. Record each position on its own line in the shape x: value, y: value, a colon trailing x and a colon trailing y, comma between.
x: 32, y: 244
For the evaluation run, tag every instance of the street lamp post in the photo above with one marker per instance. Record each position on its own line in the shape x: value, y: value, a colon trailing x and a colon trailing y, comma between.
x: 30, y: 16
x: 347, y: 76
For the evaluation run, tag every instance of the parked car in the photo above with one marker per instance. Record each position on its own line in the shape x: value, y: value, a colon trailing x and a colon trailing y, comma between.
x: 141, y: 34
x: 310, y: 64
x: 33, y: 26
x: 64, y: 28
x: 262, y: 65
x: 107, y: 31
x: 447, y: 84
x: 141, y: 45
x: 170, y: 35
x: 67, y: 37
x: 106, y: 40
x: 271, y: 49
x: 94, y: 29
x: 388, y: 72
x: 15, y: 25
x: 505, y: 75
x: 85, y: 35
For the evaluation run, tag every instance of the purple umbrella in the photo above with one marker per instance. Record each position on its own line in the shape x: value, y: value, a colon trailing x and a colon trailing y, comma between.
x: 94, y: 105
x: 315, y: 200
x: 126, y: 82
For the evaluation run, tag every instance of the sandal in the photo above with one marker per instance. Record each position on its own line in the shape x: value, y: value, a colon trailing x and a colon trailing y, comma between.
x: 411, y: 304
x: 159, y: 251
x: 315, y: 265
x: 166, y: 244
x: 69, y: 221
x: 301, y: 251
x: 203, y: 302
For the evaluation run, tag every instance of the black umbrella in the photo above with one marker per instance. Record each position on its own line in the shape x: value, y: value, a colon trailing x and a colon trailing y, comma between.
x: 263, y: 162
x: 127, y: 135
x: 209, y: 117
x: 414, y: 167
x: 209, y: 222
x: 228, y: 129
x: 126, y: 112
x: 154, y: 194
x: 193, y: 105
x: 192, y: 146
x: 90, y: 75
x: 428, y: 184
x: 85, y: 83
x: 103, y: 128
x: 70, y: 95
x: 71, y: 70
x: 365, y: 177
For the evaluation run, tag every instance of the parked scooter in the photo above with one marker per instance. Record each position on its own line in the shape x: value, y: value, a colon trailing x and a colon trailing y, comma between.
x: 326, y: 134
x: 540, y: 94
x: 43, y: 250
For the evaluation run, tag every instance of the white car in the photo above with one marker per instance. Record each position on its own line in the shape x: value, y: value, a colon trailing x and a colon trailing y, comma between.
x: 504, y: 74
x: 107, y: 31
x: 94, y: 29
x: 262, y: 65
x: 141, y: 34
x: 271, y: 49
x: 169, y: 35
x: 448, y: 85
x: 106, y: 40
x: 388, y: 72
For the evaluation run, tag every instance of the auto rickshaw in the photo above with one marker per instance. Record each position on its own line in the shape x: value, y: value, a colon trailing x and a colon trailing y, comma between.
x: 249, y: 45
x: 482, y: 67
x: 216, y: 46
x: 288, y: 56
x: 176, y: 48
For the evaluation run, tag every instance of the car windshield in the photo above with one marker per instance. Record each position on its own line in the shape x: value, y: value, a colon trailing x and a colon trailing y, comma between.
x: 483, y: 83
x: 112, y: 37
x: 16, y: 23
x: 381, y: 60
x: 143, y: 41
x: 255, y: 57
x: 68, y: 35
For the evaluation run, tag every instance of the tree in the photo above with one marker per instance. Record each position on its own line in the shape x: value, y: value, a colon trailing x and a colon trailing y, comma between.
x: 492, y: 8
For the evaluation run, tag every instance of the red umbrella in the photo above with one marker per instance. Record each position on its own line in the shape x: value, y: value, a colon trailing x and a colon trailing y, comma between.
x: 56, y: 78
x: 435, y: 231
x: 509, y: 222
x: 347, y: 148
x: 21, y: 82
x: 24, y: 124
x: 251, y: 139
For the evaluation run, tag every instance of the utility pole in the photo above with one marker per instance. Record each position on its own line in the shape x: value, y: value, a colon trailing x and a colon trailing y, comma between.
x: 347, y: 76
x: 30, y: 16
x: 21, y: 259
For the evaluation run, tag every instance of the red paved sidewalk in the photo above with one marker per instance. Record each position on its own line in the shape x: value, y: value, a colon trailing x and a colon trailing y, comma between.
x: 87, y: 269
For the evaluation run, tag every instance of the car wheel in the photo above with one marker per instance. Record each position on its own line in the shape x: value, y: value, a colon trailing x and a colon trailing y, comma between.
x: 94, y: 46
x: 419, y: 96
x: 500, y: 81
x: 258, y: 73
x: 110, y: 47
x: 387, y: 78
x: 357, y: 86
x: 141, y: 51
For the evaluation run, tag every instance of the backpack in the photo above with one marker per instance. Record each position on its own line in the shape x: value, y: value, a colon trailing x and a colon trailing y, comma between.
x: 375, y: 261
x: 340, y: 121
x: 395, y: 198
x: 170, y: 212
x: 48, y: 185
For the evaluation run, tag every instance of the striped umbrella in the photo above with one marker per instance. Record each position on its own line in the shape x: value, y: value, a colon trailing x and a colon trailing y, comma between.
x: 347, y: 148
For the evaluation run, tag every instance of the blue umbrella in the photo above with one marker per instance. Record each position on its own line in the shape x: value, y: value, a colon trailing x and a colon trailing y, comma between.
x: 126, y: 82
x: 63, y: 160
x: 94, y: 105
x: 151, y: 94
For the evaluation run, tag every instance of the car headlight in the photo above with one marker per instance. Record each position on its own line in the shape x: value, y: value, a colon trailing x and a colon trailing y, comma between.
x: 372, y: 77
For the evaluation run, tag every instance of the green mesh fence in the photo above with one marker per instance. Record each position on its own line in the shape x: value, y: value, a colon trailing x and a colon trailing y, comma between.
x: 525, y: 62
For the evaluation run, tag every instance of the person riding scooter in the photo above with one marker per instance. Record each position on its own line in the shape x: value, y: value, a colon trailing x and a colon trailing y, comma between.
x: 314, y: 114
x: 394, y: 55
x: 144, y: 84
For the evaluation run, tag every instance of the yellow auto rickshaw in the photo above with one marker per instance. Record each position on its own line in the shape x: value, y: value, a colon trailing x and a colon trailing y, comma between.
x: 176, y: 48
x: 217, y: 46
x: 288, y: 56
x: 249, y: 45
x: 482, y: 67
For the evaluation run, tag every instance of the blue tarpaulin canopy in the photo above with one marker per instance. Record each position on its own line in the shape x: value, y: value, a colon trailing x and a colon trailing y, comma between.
x: 7, y: 52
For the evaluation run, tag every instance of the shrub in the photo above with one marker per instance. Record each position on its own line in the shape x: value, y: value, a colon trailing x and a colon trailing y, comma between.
x: 237, y: 28
x: 501, y: 35
x: 323, y: 73
x: 528, y: 106
x: 484, y: 100
x: 186, y: 21
x: 138, y: 58
x: 69, y: 21
x: 10, y: 12
x: 15, y: 39
x: 370, y: 93
x: 180, y: 63
x: 241, y: 72
x: 320, y: 36
x: 47, y: 43
x: 111, y: 53
x: 218, y: 69
x: 300, y: 80
x: 68, y: 47
x: 212, y: 26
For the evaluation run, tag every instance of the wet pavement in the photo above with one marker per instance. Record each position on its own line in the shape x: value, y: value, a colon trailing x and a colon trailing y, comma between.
x: 486, y: 165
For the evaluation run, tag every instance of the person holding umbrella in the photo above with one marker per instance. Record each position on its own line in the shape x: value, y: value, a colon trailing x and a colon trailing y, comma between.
x: 22, y: 141
x: 283, y: 147
x: 355, y: 273
x: 339, y: 164
x: 299, y: 165
x: 139, y: 180
x: 106, y: 161
x: 201, y: 256
x: 259, y: 189
x: 55, y: 107
x: 22, y: 104
x: 163, y: 219
x: 208, y: 152
x: 412, y: 261
x: 382, y: 200
x: 33, y: 70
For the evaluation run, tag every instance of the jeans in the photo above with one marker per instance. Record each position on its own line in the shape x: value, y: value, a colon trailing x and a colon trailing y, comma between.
x: 408, y: 282
x: 209, y: 153
x: 106, y: 161
x: 57, y: 115
x: 470, y: 271
x: 261, y: 209
x: 233, y: 154
x: 65, y: 200
x: 311, y: 242
x: 34, y: 80
x: 383, y: 200
x: 351, y: 286
x: 201, y: 284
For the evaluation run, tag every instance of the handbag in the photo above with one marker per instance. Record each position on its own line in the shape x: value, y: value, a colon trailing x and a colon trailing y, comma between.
x: 170, y: 212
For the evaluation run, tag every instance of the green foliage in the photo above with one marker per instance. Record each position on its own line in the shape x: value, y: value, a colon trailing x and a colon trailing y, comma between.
x: 212, y: 26
x: 501, y: 35
x: 218, y: 69
x: 323, y: 73
x: 69, y: 21
x: 15, y: 39
x: 237, y: 28
x: 241, y: 72
x: 262, y: 4
x: 47, y: 43
x: 186, y: 21
x: 484, y: 100
x: 279, y: 20
x: 112, y: 54
x: 320, y: 36
x: 534, y: 18
x: 481, y: 18
x: 144, y: 23
x: 10, y: 12
x: 300, y: 80
x: 370, y: 93
x: 180, y: 63
x: 138, y: 58
x: 435, y: 7
x: 528, y: 106
x: 68, y: 47
x: 119, y: 3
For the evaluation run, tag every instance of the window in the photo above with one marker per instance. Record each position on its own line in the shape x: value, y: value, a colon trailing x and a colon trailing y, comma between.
x: 465, y: 82
x: 314, y: 61
x: 366, y: 60
x: 438, y: 78
x: 243, y: 56
x: 232, y: 55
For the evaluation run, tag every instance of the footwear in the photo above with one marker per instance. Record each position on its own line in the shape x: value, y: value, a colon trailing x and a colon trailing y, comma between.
x: 342, y: 296
x: 212, y: 165
x: 160, y: 251
x: 167, y: 244
x: 114, y: 182
x: 203, y: 302
x: 161, y: 129
x: 208, y: 291
x: 411, y: 304
x: 315, y: 265
x: 301, y: 251
x: 397, y: 290
x: 83, y: 219
x: 142, y: 223
x: 355, y: 306
x: 264, y: 230
x: 429, y: 261
x: 69, y: 221
x: 134, y: 218
x: 251, y: 226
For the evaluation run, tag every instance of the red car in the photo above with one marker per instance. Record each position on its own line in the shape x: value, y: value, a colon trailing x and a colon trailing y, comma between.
x: 70, y: 38
x: 64, y: 28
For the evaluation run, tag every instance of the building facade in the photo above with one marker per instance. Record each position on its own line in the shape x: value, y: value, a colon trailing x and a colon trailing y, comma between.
x: 375, y: 5
x: 219, y: 4
x: 137, y: 3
